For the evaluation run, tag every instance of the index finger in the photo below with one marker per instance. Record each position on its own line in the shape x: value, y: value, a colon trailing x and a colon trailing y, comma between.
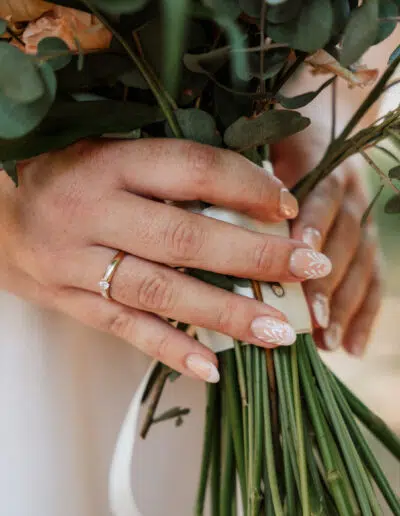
x: 182, y: 170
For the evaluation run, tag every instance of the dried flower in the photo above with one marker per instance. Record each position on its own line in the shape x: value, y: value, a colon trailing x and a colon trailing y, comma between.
x: 23, y: 10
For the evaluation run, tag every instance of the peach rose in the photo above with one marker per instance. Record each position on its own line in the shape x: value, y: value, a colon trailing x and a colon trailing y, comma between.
x: 23, y: 10
x: 69, y: 25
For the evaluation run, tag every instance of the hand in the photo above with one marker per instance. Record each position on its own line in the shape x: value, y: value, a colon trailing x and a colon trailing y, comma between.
x: 345, y: 303
x: 74, y: 208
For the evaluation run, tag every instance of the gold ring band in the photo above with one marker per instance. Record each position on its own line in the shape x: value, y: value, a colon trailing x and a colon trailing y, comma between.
x: 106, y: 280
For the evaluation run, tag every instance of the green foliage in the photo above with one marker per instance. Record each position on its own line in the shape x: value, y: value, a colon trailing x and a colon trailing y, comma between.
x: 392, y: 207
x: 3, y: 26
x: 394, y: 173
x: 302, y: 100
x: 55, y: 51
x: 360, y: 33
x: 284, y: 12
x: 197, y: 125
x: 118, y: 6
x: 19, y: 118
x: 68, y: 122
x: 297, y: 32
x: 11, y: 168
x: 267, y: 128
x: 387, y: 9
x: 394, y: 55
x: 26, y: 85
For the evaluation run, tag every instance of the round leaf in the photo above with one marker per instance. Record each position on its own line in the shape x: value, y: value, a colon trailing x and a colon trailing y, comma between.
x: 55, y: 51
x: 17, y: 119
x: 394, y: 173
x: 360, y: 33
x: 3, y: 26
x: 274, y: 60
x: 269, y: 127
x: 310, y: 30
x: 197, y: 125
x: 284, y: 12
x: 20, y: 79
x: 393, y: 205
x: 387, y: 9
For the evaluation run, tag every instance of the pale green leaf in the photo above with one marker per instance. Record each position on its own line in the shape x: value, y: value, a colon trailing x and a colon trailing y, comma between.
x: 387, y: 9
x: 392, y: 206
x: 20, y: 79
x: 55, y: 51
x: 197, y: 125
x: 269, y: 127
x: 303, y: 99
x: 360, y: 32
x: 3, y: 26
x: 394, y: 173
x: 284, y: 12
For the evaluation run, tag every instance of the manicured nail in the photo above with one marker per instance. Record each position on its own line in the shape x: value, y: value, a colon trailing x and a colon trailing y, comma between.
x: 273, y: 331
x: 358, y: 345
x: 202, y: 368
x: 333, y: 336
x: 313, y: 238
x: 308, y: 264
x: 289, y: 206
x: 320, y: 307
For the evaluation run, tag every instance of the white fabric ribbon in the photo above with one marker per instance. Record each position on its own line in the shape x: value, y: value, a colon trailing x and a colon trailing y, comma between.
x: 290, y: 301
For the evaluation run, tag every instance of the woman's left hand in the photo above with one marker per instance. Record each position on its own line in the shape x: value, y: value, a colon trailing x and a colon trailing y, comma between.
x: 345, y: 303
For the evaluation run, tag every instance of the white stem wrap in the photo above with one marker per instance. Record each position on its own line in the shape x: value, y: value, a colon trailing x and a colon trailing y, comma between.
x: 291, y: 302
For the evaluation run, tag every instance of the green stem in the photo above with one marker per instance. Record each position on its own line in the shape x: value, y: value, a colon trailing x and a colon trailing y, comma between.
x: 241, y: 375
x: 255, y: 495
x: 227, y: 462
x: 361, y: 444
x: 142, y: 67
x: 371, y: 421
x: 299, y: 431
x: 333, y: 476
x: 250, y: 427
x: 216, y: 457
x: 207, y: 448
x: 268, y: 443
x: 350, y: 455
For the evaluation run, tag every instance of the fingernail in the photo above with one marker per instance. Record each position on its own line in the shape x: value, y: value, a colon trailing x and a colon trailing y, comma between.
x: 202, y: 368
x: 313, y: 238
x: 333, y: 336
x: 358, y: 345
x: 273, y: 331
x: 320, y: 307
x: 289, y: 206
x: 308, y: 264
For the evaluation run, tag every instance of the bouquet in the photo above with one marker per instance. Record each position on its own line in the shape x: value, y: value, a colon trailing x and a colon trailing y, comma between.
x: 279, y: 424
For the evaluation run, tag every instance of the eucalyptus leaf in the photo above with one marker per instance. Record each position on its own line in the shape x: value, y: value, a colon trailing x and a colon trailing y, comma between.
x: 55, y: 51
x: 74, y: 4
x: 3, y: 26
x: 303, y: 99
x: 134, y: 79
x: 341, y: 14
x: 17, y: 119
x: 229, y: 107
x: 197, y: 125
x: 250, y: 7
x: 229, y: 8
x: 207, y: 63
x: 20, y: 78
x: 119, y: 6
x: 394, y: 173
x: 360, y: 32
x: 68, y: 122
x: 269, y: 127
x: 284, y: 11
x: 273, y: 62
x: 310, y: 30
x: 374, y: 200
x: 392, y: 207
x: 387, y: 9
x: 10, y: 167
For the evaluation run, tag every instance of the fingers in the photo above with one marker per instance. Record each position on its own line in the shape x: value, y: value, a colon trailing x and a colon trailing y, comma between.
x: 154, y: 288
x: 360, y: 327
x: 349, y: 296
x: 166, y: 234
x: 145, y: 331
x: 183, y: 170
x: 319, y: 211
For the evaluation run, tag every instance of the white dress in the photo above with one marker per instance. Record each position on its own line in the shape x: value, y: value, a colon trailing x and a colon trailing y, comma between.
x: 64, y: 391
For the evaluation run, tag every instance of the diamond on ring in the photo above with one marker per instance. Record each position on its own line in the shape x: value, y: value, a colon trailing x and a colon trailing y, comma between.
x: 104, y: 288
x: 105, y: 282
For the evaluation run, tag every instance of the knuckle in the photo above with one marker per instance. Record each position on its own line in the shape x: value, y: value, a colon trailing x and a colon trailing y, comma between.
x: 184, y: 239
x: 262, y: 259
x: 122, y: 325
x: 156, y: 294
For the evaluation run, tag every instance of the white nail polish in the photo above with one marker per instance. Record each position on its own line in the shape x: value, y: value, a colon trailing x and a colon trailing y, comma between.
x: 202, y: 368
x: 312, y: 237
x: 273, y: 331
x: 320, y: 307
x: 333, y: 336
x: 308, y: 264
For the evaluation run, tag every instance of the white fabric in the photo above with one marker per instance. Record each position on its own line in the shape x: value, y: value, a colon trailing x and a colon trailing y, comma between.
x: 64, y: 391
